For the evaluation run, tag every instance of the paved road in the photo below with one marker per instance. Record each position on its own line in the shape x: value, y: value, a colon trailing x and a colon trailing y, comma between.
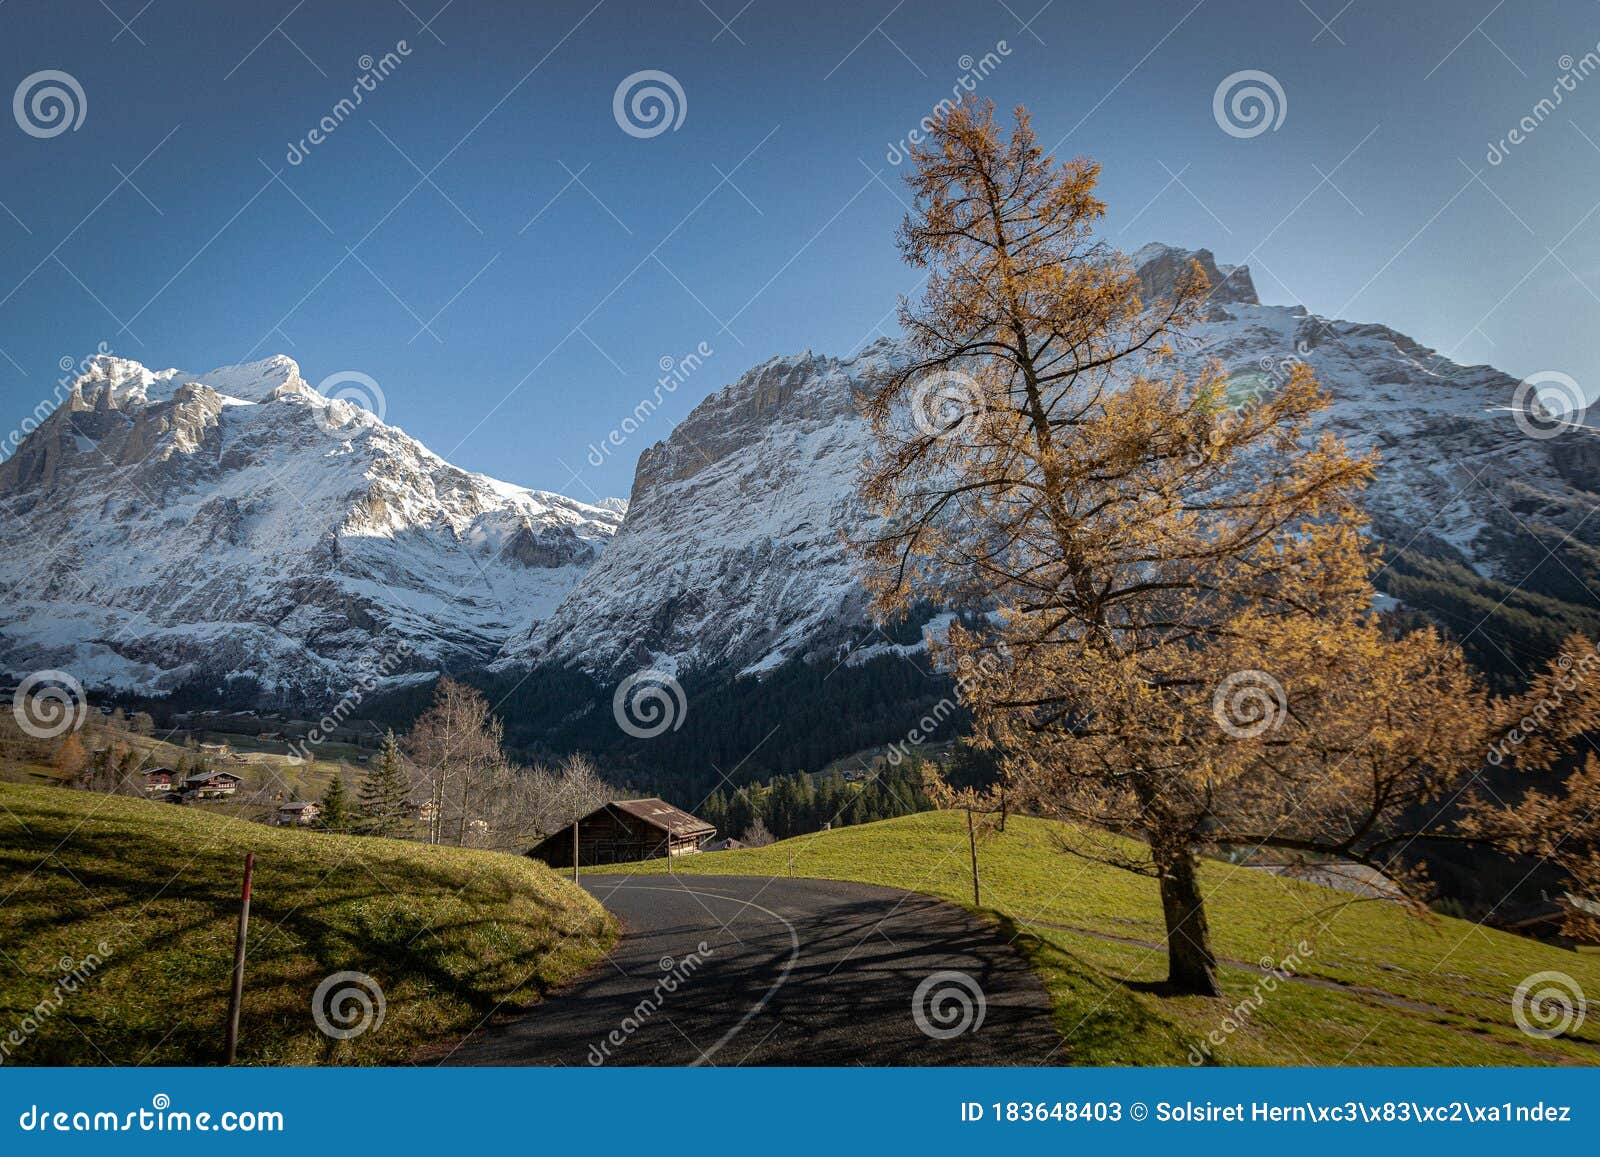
x: 791, y: 972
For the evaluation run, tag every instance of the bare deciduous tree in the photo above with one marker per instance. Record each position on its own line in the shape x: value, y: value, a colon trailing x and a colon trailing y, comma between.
x: 454, y: 747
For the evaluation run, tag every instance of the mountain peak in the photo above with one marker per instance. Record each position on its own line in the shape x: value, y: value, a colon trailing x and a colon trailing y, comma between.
x: 1158, y: 266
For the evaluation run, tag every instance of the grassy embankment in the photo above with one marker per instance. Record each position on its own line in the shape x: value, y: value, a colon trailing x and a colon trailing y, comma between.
x: 1381, y: 986
x: 452, y: 936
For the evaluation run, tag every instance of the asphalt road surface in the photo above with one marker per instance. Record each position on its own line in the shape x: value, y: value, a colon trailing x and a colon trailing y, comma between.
x: 740, y: 970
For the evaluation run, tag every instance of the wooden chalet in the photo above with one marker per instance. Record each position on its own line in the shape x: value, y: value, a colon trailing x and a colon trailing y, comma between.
x: 624, y: 831
x: 159, y: 779
x: 300, y: 812
x: 207, y: 784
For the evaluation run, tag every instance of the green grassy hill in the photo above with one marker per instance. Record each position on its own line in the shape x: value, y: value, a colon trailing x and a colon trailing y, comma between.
x: 451, y: 936
x: 1378, y: 987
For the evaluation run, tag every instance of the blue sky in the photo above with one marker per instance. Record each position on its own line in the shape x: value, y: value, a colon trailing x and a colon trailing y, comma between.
x: 483, y: 239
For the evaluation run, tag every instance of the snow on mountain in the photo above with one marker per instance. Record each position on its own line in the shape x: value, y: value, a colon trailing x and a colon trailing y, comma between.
x: 731, y: 555
x: 161, y: 527
x: 731, y: 559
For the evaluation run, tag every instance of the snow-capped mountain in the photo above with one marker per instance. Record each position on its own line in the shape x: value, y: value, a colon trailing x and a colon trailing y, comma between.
x: 162, y: 527
x: 732, y: 556
x: 731, y: 559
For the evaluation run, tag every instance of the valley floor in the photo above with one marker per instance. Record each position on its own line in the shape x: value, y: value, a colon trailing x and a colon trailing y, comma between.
x: 1371, y: 985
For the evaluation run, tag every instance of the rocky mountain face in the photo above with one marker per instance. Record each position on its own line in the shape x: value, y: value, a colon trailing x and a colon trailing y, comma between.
x: 731, y: 559
x: 162, y: 528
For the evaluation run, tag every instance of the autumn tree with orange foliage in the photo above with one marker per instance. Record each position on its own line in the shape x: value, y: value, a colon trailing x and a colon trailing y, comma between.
x: 1181, y: 647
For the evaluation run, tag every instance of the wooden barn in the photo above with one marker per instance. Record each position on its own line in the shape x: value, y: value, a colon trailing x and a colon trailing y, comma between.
x: 624, y: 831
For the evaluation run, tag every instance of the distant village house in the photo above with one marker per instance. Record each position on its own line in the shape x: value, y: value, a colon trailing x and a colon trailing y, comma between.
x: 211, y: 784
x: 300, y: 812
x: 159, y: 779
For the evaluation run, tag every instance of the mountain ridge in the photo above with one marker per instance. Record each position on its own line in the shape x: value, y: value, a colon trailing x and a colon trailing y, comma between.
x: 155, y: 541
x: 168, y: 528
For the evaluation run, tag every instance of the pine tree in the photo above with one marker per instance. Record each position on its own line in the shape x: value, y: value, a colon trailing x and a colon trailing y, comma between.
x: 335, y: 814
x: 384, y: 793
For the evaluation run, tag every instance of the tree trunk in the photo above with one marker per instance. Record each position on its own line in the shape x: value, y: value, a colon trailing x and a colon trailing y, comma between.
x: 1191, y: 965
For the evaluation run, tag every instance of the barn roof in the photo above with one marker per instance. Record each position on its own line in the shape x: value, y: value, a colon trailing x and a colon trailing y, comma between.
x: 661, y: 814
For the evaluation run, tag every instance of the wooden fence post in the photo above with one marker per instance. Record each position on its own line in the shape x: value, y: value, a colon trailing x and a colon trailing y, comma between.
x: 237, y: 996
x: 972, y: 843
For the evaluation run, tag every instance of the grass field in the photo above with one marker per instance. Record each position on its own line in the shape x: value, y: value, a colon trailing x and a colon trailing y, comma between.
x: 1381, y: 986
x: 451, y: 936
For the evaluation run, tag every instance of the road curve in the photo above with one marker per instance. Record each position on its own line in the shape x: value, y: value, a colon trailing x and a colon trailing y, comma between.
x: 744, y: 970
